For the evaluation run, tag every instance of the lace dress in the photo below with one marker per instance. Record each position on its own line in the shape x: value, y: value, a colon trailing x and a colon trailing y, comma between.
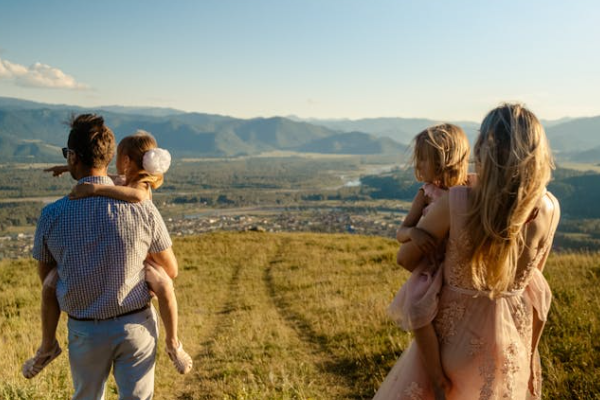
x: 485, y: 343
x: 415, y: 303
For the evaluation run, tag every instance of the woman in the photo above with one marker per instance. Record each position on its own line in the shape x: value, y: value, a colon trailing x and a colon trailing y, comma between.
x: 494, y: 299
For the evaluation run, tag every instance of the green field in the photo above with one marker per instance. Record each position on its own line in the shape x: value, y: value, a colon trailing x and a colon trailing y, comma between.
x: 296, y: 316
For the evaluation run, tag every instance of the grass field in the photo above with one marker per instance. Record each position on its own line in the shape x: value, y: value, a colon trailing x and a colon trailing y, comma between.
x: 296, y: 316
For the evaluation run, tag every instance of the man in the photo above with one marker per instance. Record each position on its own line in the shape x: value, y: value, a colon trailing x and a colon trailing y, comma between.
x: 98, y: 246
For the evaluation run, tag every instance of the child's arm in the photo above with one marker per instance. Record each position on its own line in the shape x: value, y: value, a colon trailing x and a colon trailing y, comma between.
x: 412, y: 218
x: 408, y: 231
x: 57, y: 170
x: 436, y: 224
x: 125, y: 193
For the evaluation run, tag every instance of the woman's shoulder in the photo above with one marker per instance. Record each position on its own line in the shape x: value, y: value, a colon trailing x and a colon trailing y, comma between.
x: 550, y: 201
x: 544, y: 220
x: 549, y: 208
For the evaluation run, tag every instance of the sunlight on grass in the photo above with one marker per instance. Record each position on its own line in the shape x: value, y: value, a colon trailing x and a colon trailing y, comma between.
x: 295, y: 316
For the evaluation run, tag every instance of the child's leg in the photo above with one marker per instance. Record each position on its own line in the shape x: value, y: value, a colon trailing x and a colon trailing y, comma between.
x: 162, y: 285
x: 49, y: 348
x: 50, y: 311
x: 429, y: 348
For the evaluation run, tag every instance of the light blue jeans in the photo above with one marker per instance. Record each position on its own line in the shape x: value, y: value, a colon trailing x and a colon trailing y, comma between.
x: 127, y: 344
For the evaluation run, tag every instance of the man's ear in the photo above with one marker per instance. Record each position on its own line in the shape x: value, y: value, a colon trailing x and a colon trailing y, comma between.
x: 75, y: 160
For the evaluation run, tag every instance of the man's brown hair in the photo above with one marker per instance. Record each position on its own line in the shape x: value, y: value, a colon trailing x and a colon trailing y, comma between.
x: 91, y: 140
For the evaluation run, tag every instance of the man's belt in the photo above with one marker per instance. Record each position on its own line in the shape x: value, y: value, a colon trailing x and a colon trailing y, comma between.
x: 116, y: 316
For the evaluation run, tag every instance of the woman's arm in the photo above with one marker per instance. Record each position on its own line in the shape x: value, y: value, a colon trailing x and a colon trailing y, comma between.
x: 412, y: 218
x: 436, y: 223
x: 538, y: 327
x: 125, y: 193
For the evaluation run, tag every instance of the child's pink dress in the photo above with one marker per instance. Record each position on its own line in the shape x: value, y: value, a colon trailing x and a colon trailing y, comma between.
x: 415, y: 304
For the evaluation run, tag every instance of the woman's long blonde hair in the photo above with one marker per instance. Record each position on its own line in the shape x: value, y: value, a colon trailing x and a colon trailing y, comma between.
x: 446, y: 148
x: 514, y: 164
x: 135, y: 146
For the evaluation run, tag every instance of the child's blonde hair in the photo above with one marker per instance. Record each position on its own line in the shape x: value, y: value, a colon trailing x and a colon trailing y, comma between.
x: 446, y: 148
x: 135, y: 146
x: 514, y: 164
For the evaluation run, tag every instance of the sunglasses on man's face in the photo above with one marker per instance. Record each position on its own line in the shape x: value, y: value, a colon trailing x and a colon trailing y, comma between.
x: 66, y: 151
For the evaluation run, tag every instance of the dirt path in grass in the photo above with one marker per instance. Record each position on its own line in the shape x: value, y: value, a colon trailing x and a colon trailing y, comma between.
x: 250, y: 344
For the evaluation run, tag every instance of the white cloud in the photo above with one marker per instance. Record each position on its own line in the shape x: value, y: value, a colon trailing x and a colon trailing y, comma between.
x: 38, y: 75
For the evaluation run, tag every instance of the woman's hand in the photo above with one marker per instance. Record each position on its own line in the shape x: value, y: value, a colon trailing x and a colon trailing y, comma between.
x: 57, y: 170
x: 533, y: 383
x: 440, y: 387
x: 82, y: 190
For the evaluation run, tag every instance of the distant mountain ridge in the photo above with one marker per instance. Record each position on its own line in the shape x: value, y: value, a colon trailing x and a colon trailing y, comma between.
x: 35, y: 131
x: 573, y: 139
x: 402, y: 130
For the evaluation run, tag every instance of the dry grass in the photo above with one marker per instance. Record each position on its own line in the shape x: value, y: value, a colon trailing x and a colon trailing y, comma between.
x: 296, y: 316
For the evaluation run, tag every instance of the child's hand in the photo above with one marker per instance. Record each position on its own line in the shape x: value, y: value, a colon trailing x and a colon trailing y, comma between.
x: 81, y: 191
x: 424, y: 241
x: 57, y: 170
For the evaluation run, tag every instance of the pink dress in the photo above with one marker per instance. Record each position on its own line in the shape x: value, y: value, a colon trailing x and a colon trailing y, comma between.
x: 485, y: 343
x: 415, y: 303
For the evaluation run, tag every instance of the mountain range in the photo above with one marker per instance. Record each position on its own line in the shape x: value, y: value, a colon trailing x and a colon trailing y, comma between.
x: 31, y: 131
x: 571, y: 139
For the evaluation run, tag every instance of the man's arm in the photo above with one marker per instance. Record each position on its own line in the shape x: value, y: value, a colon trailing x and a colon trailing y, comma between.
x: 44, y: 268
x: 168, y: 261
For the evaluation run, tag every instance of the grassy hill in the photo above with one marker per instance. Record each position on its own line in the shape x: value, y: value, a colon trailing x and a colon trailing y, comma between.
x: 296, y: 316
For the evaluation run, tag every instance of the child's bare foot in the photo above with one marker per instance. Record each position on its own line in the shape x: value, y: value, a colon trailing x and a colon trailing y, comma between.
x: 42, y: 357
x: 181, y: 360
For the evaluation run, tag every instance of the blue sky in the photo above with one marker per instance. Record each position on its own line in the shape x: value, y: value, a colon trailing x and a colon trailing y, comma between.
x: 445, y: 60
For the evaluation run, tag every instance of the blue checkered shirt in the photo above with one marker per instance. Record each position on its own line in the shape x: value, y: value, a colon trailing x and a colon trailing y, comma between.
x: 99, y: 245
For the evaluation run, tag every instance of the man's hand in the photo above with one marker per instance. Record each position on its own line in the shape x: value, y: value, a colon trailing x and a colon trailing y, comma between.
x: 423, y: 240
x: 57, y: 170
